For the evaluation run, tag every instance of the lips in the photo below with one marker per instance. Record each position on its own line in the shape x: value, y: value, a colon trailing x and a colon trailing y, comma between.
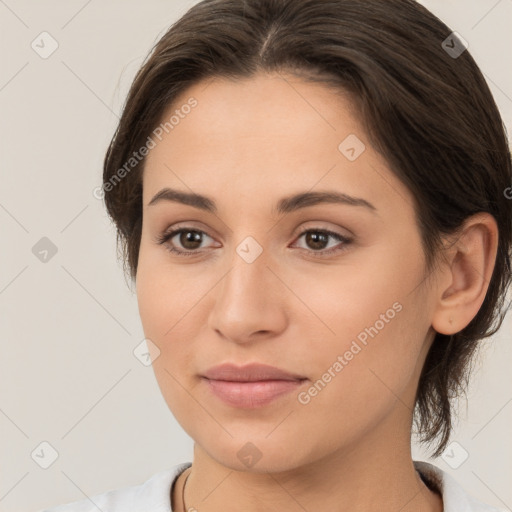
x: 251, y: 386
x: 250, y: 373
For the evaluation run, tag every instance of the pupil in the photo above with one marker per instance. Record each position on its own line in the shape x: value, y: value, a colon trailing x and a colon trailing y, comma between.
x: 315, y: 237
x: 185, y: 239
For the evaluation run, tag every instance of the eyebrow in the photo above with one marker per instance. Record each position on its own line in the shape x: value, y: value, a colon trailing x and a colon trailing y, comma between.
x: 286, y: 205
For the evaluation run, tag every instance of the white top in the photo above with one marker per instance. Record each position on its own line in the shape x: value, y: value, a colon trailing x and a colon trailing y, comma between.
x: 154, y: 495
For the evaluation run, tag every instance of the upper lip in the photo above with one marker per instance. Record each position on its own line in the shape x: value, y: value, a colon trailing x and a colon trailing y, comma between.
x: 249, y: 373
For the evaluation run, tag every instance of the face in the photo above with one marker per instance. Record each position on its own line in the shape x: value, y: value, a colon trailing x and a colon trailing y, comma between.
x: 331, y: 291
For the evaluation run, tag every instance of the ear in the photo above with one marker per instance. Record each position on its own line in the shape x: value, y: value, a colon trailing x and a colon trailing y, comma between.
x: 465, y: 279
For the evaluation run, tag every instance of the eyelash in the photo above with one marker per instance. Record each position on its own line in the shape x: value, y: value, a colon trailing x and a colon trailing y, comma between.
x: 163, y: 238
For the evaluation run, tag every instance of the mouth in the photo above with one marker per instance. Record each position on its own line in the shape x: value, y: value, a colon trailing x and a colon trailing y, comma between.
x: 251, y: 394
x: 252, y: 385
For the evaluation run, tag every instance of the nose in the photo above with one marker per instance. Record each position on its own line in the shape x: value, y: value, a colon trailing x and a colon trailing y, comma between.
x: 250, y: 302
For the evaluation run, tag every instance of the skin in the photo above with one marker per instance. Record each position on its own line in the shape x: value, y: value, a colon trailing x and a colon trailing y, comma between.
x: 247, y: 144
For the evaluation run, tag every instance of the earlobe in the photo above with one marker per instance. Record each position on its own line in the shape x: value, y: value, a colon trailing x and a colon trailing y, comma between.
x: 466, y: 276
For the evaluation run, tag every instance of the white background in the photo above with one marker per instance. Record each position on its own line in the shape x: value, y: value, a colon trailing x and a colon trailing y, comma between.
x: 69, y: 326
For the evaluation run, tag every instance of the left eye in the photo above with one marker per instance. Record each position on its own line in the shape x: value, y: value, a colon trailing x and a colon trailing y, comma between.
x: 190, y: 240
x: 320, y: 237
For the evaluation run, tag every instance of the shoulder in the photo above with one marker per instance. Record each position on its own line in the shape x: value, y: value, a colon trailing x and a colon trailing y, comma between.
x: 455, y: 498
x: 153, y: 494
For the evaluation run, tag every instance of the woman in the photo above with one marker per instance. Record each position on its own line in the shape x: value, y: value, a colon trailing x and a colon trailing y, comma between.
x: 312, y: 200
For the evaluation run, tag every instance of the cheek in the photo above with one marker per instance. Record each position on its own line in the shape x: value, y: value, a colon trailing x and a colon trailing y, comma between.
x: 165, y: 308
x: 358, y: 377
x: 164, y: 295
x: 166, y: 305
x: 154, y: 306
x: 372, y: 315
x: 172, y: 302
x: 366, y: 288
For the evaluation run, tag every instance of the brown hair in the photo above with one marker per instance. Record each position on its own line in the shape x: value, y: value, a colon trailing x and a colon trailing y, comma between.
x: 429, y: 112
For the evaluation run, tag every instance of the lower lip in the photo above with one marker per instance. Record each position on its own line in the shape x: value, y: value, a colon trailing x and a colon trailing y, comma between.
x: 251, y: 395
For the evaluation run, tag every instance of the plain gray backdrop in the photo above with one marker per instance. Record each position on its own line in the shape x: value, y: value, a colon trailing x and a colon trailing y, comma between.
x: 71, y: 387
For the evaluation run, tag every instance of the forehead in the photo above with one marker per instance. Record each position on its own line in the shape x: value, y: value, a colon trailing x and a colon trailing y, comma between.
x: 269, y: 134
x: 274, y: 108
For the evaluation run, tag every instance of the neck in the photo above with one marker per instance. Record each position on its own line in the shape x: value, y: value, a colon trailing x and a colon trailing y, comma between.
x: 371, y: 476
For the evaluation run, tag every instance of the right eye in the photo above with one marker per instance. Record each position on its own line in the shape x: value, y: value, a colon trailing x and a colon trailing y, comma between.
x: 190, y: 240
